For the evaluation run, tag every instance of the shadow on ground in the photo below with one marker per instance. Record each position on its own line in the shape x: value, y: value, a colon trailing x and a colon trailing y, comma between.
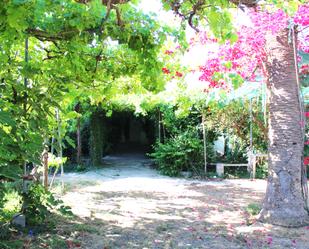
x: 130, y: 205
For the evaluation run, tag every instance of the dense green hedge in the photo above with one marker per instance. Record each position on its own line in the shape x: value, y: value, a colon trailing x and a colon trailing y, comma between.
x: 98, y: 137
x: 182, y: 152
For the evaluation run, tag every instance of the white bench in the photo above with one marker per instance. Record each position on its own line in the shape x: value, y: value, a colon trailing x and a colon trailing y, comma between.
x: 220, y: 167
x: 251, y: 165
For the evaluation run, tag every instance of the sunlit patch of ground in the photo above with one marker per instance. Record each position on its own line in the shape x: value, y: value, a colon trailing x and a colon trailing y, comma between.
x: 129, y: 205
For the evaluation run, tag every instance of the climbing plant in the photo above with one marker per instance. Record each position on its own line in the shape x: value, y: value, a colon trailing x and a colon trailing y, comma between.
x: 273, y: 59
x: 73, y: 50
x: 54, y: 54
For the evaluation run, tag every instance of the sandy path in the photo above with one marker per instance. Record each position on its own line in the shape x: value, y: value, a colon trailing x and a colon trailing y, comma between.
x: 130, y: 205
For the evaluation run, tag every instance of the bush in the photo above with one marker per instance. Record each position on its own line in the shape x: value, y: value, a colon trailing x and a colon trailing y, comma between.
x: 262, y: 171
x: 80, y: 168
x: 12, y: 204
x: 183, y: 152
x: 5, y: 232
x: 38, y: 203
x: 10, y: 201
x: 236, y: 154
x: 253, y: 208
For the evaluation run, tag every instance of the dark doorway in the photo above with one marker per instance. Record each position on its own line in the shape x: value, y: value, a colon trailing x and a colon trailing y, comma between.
x: 121, y: 133
x: 129, y: 134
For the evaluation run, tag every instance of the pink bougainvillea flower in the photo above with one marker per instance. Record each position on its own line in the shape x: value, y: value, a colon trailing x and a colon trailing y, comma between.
x: 245, y: 56
x: 166, y: 70
x: 269, y: 240
x: 307, y: 114
x: 307, y: 142
x: 168, y: 52
x: 191, y: 229
x: 306, y: 160
x: 179, y: 74
x: 304, y: 69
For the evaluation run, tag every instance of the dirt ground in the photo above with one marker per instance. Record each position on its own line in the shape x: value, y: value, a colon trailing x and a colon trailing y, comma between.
x: 127, y: 204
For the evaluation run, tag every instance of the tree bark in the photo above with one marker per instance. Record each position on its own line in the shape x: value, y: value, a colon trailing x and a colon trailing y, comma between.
x: 97, y: 137
x: 285, y: 202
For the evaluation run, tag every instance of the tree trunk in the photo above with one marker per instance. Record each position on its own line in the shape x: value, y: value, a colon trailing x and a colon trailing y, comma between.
x: 285, y: 202
x: 97, y: 137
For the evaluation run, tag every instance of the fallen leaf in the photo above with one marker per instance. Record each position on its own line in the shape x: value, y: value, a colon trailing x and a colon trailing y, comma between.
x: 269, y: 240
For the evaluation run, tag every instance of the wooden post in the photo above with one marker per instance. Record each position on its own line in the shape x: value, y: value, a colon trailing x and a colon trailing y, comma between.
x: 77, y: 108
x: 251, y: 157
x: 251, y: 126
x: 26, y: 85
x: 79, y: 143
x: 60, y: 147
x: 205, y: 143
x: 159, y: 126
x: 163, y: 129
x: 26, y: 79
x: 45, y: 166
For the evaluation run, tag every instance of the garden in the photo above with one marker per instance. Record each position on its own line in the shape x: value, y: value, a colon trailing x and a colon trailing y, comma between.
x: 154, y: 124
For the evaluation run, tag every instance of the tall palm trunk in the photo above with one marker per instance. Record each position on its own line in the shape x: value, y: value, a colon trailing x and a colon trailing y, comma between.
x: 285, y: 202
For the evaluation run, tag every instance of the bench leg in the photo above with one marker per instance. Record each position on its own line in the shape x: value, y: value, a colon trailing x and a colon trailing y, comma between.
x: 220, y: 169
x: 254, y: 168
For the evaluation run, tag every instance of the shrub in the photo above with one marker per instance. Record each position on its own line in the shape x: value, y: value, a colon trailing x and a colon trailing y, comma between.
x: 253, y: 209
x: 10, y: 201
x: 38, y: 203
x: 236, y: 154
x: 262, y: 171
x: 183, y: 152
x: 80, y: 168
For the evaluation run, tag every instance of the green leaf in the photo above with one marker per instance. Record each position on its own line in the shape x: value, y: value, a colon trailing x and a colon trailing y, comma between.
x: 5, y: 118
x: 11, y: 172
x: 17, y: 18
x: 237, y: 80
x: 70, y: 141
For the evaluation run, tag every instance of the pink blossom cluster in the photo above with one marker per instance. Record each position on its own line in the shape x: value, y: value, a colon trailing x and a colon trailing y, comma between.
x: 242, y: 58
x: 166, y: 70
x: 304, y: 69
x: 302, y: 16
x: 168, y: 52
x: 245, y: 57
x: 302, y: 20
